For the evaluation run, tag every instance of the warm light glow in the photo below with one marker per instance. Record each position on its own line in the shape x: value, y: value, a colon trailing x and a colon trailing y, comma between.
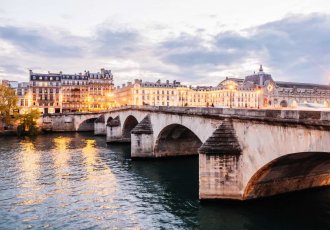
x: 61, y: 157
x: 30, y: 166
x: 98, y: 180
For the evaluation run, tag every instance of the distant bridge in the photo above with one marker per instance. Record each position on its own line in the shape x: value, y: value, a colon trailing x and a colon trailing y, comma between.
x: 243, y: 154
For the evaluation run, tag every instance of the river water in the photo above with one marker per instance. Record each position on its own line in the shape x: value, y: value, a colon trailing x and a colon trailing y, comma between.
x: 77, y: 181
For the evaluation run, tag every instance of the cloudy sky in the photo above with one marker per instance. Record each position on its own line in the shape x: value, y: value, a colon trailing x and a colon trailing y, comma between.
x: 196, y: 42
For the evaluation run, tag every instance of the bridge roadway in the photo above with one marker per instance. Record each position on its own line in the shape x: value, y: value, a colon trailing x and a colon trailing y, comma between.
x: 243, y: 153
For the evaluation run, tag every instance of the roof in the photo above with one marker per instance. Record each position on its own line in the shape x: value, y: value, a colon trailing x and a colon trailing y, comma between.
x: 255, y: 78
x: 237, y: 80
x: 301, y: 85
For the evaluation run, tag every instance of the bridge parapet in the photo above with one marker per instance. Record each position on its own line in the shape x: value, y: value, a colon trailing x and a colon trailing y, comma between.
x: 265, y: 114
x: 297, y: 116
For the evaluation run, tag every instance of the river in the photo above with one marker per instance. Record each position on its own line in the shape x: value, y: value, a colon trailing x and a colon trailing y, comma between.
x: 77, y: 181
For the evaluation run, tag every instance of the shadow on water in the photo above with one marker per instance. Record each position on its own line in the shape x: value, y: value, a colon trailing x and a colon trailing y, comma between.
x: 179, y: 177
x: 298, y: 210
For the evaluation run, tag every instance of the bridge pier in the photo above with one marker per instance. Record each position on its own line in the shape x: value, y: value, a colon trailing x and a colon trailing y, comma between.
x: 142, y: 139
x: 99, y: 126
x: 114, y: 133
x: 219, y: 165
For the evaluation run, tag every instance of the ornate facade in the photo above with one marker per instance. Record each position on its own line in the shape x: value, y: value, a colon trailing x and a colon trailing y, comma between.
x: 258, y: 90
x: 229, y: 93
x: 277, y: 94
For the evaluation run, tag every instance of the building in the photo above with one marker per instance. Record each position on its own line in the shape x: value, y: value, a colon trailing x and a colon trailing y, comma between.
x: 277, y: 94
x: 228, y: 93
x: 100, y: 90
x: 258, y: 90
x: 149, y: 93
x: 60, y: 92
x: 24, y: 97
x: 46, y: 92
x: 74, y: 88
x: 83, y: 92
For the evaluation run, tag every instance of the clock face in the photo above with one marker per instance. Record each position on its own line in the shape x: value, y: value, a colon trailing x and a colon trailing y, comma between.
x: 270, y: 88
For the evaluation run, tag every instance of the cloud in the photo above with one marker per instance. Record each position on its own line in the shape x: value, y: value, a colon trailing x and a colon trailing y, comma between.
x: 296, y: 47
x: 40, y: 41
x: 114, y: 43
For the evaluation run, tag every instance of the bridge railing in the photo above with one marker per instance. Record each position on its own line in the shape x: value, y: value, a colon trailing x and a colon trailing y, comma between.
x: 294, y: 116
x: 322, y: 117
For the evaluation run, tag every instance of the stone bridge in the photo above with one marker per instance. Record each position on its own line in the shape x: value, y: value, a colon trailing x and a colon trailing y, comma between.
x: 243, y: 154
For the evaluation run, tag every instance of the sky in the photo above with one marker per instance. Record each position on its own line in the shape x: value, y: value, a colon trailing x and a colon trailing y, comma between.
x: 195, y: 42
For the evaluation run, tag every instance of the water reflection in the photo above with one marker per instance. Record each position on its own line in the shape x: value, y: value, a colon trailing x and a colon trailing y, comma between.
x: 61, y: 156
x: 99, y: 175
x: 29, y: 159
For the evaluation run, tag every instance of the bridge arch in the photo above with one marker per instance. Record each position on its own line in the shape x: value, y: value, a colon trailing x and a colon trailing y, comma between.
x: 87, y: 125
x: 175, y: 140
x: 129, y: 124
x: 292, y: 172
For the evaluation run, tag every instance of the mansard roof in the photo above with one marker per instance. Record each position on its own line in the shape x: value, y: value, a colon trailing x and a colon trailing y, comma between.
x: 158, y: 83
x: 301, y: 85
x: 104, y: 74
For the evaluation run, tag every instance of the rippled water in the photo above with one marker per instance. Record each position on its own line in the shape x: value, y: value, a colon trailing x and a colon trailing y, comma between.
x: 76, y: 181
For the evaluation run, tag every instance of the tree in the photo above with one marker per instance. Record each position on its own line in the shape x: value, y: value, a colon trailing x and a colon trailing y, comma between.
x: 28, y: 124
x: 8, y: 102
